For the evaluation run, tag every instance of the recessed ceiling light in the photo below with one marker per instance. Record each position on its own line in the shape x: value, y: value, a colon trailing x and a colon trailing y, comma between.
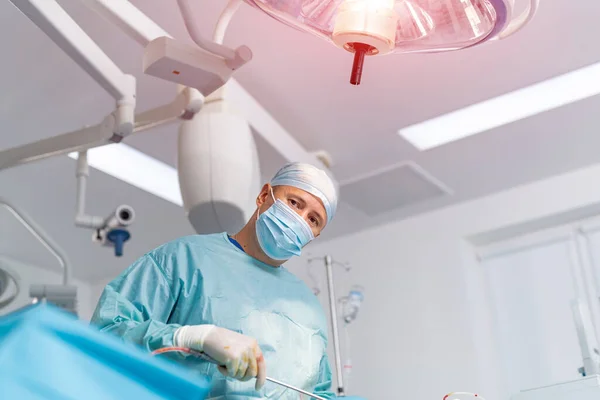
x: 136, y: 168
x: 514, y: 106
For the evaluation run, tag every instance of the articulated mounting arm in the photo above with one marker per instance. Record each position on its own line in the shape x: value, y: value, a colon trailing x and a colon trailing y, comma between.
x: 216, y: 64
x: 64, y: 31
x: 109, y: 231
x: 64, y: 295
x: 205, y: 68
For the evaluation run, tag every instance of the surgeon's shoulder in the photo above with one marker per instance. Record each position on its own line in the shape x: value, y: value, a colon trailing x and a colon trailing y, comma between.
x: 179, y: 253
x: 191, y: 241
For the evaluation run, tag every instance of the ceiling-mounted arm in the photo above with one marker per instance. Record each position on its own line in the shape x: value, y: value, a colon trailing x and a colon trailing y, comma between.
x: 149, y: 34
x: 66, y: 33
x: 187, y: 103
x: 523, y: 19
x: 204, y: 70
x: 42, y: 237
x: 64, y: 295
x: 142, y: 29
x: 233, y: 58
x: 82, y: 139
x: 213, y: 58
x: 49, y: 16
x: 129, y: 19
x: 224, y: 19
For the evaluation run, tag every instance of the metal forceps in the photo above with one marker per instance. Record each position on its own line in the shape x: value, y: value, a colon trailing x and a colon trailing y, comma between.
x: 211, y: 360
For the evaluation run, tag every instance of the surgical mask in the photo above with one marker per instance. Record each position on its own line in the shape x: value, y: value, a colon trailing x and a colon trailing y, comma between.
x: 281, y: 232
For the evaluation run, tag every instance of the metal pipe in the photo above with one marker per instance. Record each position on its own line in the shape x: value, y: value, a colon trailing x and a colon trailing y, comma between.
x: 334, y: 326
x: 234, y: 59
x: 8, y: 275
x: 193, y: 30
x: 224, y: 20
x: 42, y: 237
x: 81, y: 173
x: 81, y: 219
x: 85, y: 138
x: 129, y: 19
x: 58, y: 25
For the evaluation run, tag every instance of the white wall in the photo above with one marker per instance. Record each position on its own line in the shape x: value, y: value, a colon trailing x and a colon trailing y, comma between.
x: 28, y: 275
x: 425, y: 328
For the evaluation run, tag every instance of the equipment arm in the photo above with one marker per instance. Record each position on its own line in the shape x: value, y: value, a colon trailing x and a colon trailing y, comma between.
x: 66, y: 33
x: 49, y: 16
x: 42, y: 237
x: 129, y: 19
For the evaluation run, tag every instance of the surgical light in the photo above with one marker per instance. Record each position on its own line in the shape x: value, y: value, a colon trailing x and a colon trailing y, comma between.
x: 378, y: 27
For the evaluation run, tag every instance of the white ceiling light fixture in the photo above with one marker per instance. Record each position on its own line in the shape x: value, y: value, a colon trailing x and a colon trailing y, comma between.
x: 378, y: 27
x: 137, y: 169
x: 502, y: 110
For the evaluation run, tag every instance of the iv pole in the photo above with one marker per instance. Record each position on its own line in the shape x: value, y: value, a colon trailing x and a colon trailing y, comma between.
x: 329, y: 262
x: 334, y: 325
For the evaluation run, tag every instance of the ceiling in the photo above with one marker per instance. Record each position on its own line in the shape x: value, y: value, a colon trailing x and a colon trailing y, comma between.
x: 303, y: 82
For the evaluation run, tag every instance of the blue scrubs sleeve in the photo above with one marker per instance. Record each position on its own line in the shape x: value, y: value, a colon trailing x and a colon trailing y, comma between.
x: 137, y: 304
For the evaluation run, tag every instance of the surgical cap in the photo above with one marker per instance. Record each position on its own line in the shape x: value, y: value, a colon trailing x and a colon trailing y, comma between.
x: 312, y: 180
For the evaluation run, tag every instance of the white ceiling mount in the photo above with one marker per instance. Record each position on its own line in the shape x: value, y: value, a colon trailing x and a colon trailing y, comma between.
x: 324, y: 157
x: 64, y: 31
x: 205, y: 67
x: 168, y: 59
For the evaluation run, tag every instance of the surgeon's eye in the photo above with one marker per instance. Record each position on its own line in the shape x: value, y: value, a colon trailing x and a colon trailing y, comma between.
x: 313, y: 221
x: 294, y: 203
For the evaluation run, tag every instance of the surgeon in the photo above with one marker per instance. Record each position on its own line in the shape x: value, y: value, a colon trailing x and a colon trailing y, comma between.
x: 231, y: 298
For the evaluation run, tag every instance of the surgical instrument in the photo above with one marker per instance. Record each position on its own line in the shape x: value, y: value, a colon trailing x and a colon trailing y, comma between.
x: 211, y: 360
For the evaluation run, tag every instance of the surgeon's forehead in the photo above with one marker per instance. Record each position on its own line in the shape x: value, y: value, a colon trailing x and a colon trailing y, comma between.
x: 309, y: 198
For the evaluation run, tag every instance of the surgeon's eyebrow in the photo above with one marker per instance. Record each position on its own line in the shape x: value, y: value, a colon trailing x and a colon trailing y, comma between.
x: 304, y: 204
x: 315, y: 210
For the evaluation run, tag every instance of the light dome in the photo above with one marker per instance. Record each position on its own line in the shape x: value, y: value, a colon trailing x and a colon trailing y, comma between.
x: 371, y: 27
x: 218, y: 169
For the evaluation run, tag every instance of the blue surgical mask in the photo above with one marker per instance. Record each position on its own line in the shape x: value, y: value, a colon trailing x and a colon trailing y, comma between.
x: 281, y: 232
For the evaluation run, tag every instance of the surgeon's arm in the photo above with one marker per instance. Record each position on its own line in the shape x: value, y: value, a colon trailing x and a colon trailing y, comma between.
x: 136, y: 305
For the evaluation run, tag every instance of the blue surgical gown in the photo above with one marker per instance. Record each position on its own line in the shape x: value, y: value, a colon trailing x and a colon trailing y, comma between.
x: 205, y: 279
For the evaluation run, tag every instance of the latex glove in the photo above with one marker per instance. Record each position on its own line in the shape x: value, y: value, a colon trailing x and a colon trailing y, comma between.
x: 239, y: 355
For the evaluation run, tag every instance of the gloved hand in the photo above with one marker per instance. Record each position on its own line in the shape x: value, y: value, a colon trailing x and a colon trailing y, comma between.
x: 240, y: 355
